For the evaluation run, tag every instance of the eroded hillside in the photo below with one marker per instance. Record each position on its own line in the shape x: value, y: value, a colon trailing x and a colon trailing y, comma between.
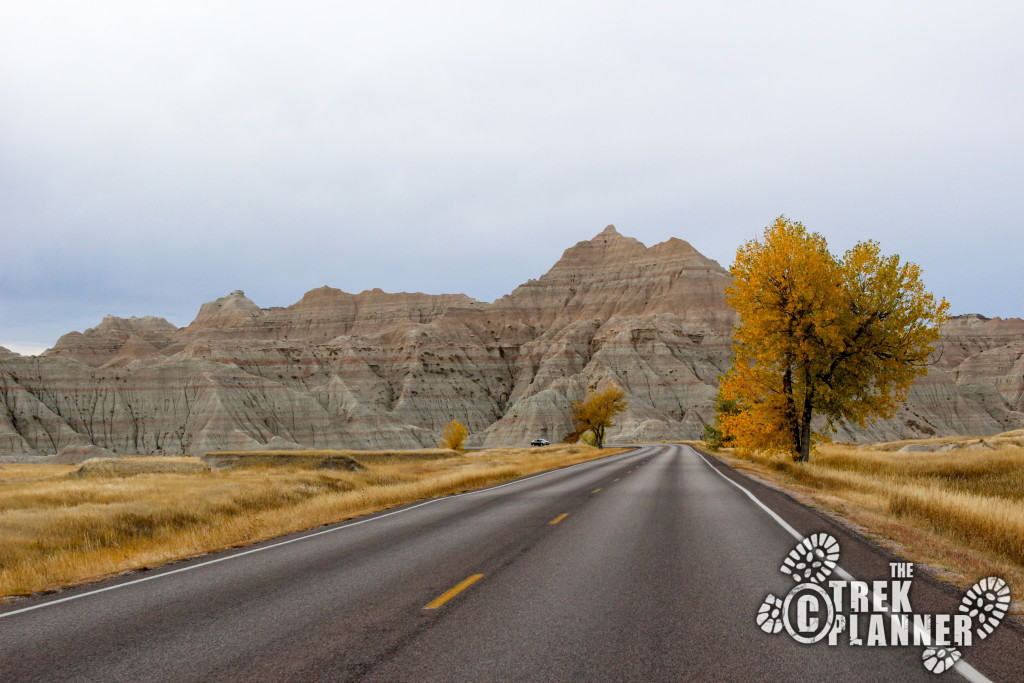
x: 376, y: 370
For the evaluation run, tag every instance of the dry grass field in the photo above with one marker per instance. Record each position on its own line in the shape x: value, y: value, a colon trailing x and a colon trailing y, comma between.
x: 67, y: 524
x: 956, y: 504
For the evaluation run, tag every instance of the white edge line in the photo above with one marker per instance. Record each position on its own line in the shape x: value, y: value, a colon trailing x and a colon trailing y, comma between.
x: 961, y: 667
x: 337, y: 526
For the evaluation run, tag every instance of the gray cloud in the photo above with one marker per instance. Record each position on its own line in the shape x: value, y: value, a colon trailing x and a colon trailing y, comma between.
x: 156, y: 155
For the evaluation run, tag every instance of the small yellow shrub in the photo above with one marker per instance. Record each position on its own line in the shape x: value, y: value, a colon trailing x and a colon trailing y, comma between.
x: 453, y: 436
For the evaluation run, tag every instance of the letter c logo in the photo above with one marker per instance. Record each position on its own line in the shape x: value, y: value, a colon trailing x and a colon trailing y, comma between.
x: 810, y: 599
x: 804, y: 604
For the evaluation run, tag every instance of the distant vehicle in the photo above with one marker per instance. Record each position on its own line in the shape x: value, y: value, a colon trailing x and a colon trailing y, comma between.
x: 540, y: 442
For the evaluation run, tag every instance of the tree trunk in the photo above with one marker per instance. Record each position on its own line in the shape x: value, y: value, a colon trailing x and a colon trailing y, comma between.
x: 791, y: 416
x: 805, y: 430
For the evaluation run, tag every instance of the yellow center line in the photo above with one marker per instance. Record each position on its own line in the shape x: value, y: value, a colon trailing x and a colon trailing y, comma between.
x: 454, y: 591
x: 559, y: 518
x: 615, y: 479
x: 595, y: 490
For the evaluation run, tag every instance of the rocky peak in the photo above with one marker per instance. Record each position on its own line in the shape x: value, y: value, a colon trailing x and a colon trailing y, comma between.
x: 607, y: 246
x: 326, y: 312
x: 675, y: 248
x: 135, y: 349
x: 112, y: 324
x: 233, y: 310
x: 609, y: 232
x: 324, y: 298
x: 613, y: 275
x: 99, y: 345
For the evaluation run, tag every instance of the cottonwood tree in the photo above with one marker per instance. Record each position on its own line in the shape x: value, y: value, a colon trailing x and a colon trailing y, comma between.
x: 819, y: 335
x: 595, y: 412
x: 453, y: 436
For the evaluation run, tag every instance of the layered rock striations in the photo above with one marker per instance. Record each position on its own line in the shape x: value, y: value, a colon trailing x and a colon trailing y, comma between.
x: 101, y: 344
x: 372, y: 370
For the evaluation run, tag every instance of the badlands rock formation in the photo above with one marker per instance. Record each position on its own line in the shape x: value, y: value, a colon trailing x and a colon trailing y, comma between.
x: 369, y: 370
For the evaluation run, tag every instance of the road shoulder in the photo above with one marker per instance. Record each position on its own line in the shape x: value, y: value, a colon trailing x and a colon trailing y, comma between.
x: 787, y: 499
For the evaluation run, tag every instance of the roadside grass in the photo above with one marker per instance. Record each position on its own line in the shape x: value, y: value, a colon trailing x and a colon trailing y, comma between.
x: 64, y: 525
x: 961, y: 511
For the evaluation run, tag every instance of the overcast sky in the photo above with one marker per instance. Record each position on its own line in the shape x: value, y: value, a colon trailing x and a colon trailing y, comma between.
x: 157, y: 155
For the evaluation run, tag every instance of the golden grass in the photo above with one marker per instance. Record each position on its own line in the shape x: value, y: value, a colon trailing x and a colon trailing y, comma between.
x: 390, y: 456
x: 954, y: 443
x: 67, y: 524
x: 961, y: 510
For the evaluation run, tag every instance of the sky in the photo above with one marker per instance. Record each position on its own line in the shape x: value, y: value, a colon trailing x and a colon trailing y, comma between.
x: 157, y: 155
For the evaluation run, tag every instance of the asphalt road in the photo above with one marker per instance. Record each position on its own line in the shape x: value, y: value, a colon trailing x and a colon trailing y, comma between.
x: 647, y: 566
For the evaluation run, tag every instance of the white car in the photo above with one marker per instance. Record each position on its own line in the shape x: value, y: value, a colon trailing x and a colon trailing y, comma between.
x: 540, y: 442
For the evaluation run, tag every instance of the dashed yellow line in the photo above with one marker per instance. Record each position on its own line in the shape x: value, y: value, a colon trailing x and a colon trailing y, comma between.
x: 454, y: 591
x: 595, y: 490
x: 615, y: 479
x: 559, y: 518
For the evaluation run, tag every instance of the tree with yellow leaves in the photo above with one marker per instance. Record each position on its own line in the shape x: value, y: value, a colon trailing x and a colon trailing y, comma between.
x: 453, y: 436
x: 818, y: 335
x: 595, y: 412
